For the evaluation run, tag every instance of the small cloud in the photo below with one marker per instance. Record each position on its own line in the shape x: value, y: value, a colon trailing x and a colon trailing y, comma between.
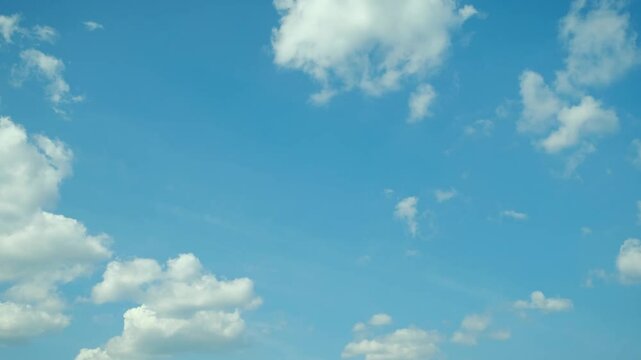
x: 8, y: 26
x: 45, y: 33
x: 406, y: 210
x: 359, y: 327
x: 639, y: 212
x: 515, y: 215
x: 92, y: 25
x: 481, y: 127
x: 629, y: 261
x: 538, y: 301
x: 472, y: 328
x: 380, y: 319
x: 443, y: 195
x: 388, y: 192
x: 47, y: 68
x: 420, y: 102
x: 585, y: 231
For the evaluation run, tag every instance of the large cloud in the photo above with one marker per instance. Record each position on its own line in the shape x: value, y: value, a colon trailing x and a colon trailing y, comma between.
x: 600, y: 43
x: 601, y: 47
x: 38, y: 249
x: 367, y: 45
x: 182, y: 308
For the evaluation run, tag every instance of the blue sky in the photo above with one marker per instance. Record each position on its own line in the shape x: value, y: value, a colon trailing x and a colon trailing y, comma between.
x: 320, y: 179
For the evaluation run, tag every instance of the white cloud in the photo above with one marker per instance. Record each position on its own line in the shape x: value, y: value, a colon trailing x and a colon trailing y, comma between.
x: 476, y: 322
x: 9, y: 25
x: 600, y: 43
x: 538, y: 301
x: 380, y: 320
x: 45, y: 33
x: 92, y: 25
x: 570, y: 125
x: 601, y: 47
x: 585, y: 231
x: 579, y: 122
x: 472, y: 327
x: 372, y: 46
x: 420, y: 101
x: 629, y: 261
x: 182, y: 308
x: 540, y: 104
x: 406, y: 210
x: 359, y: 326
x: 39, y: 250
x: 49, y: 69
x: 23, y: 321
x: 475, y: 326
x: 443, y: 195
x: 403, y: 344
x: 512, y: 214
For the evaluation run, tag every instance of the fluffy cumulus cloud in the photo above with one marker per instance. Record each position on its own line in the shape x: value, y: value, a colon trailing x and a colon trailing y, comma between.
x: 538, y: 301
x: 372, y: 46
x: 601, y: 47
x: 629, y: 261
x: 402, y: 344
x: 182, y: 308
x: 39, y: 250
x: 562, y: 126
x: 600, y: 43
x: 49, y: 69
x: 406, y: 210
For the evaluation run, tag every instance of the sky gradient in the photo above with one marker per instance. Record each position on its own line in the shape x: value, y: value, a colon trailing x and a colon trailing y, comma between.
x: 320, y: 179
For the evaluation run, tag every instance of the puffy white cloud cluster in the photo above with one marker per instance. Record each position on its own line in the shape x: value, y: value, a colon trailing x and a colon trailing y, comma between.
x: 39, y: 250
x: 182, y: 308
x: 538, y: 301
x: 601, y: 47
x: 564, y: 126
x: 372, y: 46
x: 600, y: 43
